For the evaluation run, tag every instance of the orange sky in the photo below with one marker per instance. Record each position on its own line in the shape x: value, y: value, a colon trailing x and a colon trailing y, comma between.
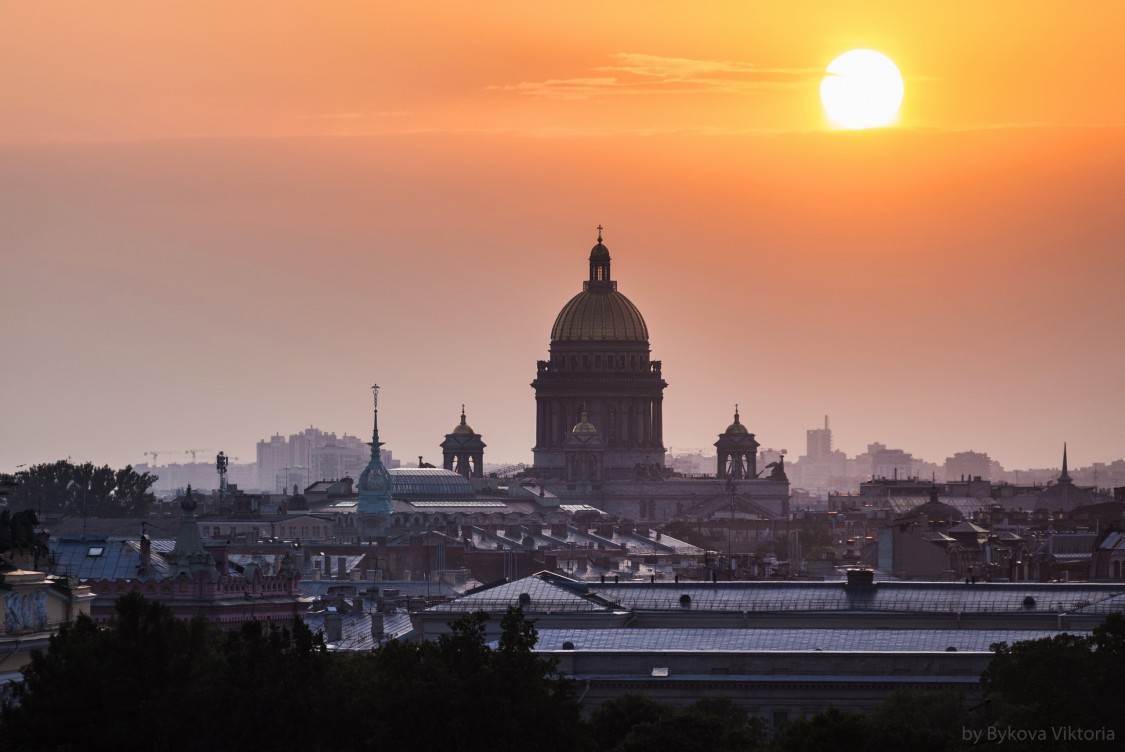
x: 221, y: 222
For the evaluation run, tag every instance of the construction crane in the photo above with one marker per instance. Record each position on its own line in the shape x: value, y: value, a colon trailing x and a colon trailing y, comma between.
x: 157, y: 452
x: 192, y: 452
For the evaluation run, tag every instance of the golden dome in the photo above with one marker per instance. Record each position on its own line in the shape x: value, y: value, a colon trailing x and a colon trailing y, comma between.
x: 599, y: 315
x: 584, y: 425
x: 462, y: 427
x: 736, y: 427
x: 599, y: 312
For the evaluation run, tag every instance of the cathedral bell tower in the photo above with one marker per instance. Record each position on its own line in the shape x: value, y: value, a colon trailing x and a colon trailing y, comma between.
x: 463, y: 450
x: 737, y: 452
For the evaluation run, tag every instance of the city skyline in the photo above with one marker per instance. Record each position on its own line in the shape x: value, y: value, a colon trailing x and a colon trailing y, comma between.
x: 222, y: 223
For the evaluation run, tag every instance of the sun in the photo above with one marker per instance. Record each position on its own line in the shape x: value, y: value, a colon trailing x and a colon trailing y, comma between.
x: 862, y: 89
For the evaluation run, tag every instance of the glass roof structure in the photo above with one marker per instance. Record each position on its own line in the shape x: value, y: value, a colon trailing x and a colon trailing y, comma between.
x: 459, y: 504
x: 410, y: 483
x: 967, y: 506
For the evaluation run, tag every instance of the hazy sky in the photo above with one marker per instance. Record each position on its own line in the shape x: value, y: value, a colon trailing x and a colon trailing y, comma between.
x: 222, y: 220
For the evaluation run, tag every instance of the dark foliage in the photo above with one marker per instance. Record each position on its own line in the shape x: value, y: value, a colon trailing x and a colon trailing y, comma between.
x: 633, y: 723
x: 1060, y: 683
x: 149, y: 681
x: 102, y: 491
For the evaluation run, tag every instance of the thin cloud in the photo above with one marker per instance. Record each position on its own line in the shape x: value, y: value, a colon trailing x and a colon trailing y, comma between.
x: 639, y: 74
x: 354, y: 115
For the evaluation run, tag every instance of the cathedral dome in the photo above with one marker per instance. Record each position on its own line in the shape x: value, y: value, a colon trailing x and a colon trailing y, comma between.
x: 599, y: 312
x: 599, y: 315
x: 462, y: 428
x: 584, y: 425
x: 737, y: 426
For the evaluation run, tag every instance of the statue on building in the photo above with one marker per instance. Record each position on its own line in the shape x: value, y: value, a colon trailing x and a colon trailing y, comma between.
x: 778, y: 471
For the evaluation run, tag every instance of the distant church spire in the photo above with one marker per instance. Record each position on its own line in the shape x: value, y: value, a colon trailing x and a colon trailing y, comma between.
x: 375, y: 481
x: 1065, y: 476
x: 375, y: 443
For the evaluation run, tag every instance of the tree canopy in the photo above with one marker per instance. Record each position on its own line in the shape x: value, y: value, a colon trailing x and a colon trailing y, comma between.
x: 1058, y: 684
x: 149, y: 681
x: 73, y: 490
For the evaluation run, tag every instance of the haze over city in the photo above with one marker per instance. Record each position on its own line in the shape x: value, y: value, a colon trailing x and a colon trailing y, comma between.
x: 218, y: 223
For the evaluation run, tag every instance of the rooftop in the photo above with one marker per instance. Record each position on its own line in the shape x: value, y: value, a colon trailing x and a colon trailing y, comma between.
x: 783, y: 640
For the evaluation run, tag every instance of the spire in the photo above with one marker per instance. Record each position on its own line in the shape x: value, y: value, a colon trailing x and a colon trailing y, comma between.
x: 375, y: 443
x: 1065, y: 476
x: 735, y: 412
x: 599, y: 233
x: 375, y: 481
x: 462, y: 413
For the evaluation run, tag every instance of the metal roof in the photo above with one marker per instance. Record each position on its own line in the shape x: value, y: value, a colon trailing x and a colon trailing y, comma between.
x: 912, y: 597
x: 356, y: 629
x: 98, y: 557
x: 784, y: 640
x: 545, y: 593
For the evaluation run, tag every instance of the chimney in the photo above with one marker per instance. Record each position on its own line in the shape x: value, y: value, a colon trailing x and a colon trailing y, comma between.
x: 146, y: 554
x: 341, y: 567
x: 376, y: 625
x: 860, y: 581
x: 333, y: 627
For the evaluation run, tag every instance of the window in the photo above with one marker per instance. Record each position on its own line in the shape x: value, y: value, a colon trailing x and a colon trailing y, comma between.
x: 95, y: 551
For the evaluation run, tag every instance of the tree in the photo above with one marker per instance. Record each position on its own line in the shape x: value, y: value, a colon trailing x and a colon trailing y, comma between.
x: 456, y: 693
x: 150, y: 681
x: 138, y: 681
x: 918, y: 720
x: 632, y: 723
x: 615, y: 718
x: 73, y: 490
x: 827, y: 731
x: 1061, y: 682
